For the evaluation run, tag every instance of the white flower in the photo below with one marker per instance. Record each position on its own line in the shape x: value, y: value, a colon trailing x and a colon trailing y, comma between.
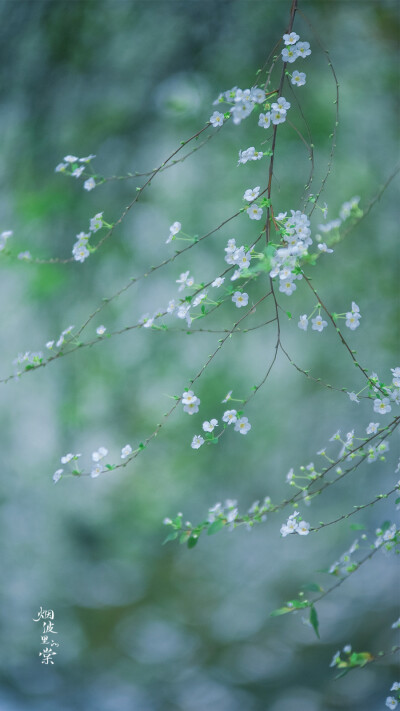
x: 173, y: 230
x: 78, y: 171
x: 57, y: 475
x: 171, y: 306
x: 287, y: 287
x: 217, y: 119
x: 4, y: 237
x: 49, y: 345
x: 391, y: 702
x: 96, y: 471
x: 60, y: 167
x: 335, y: 659
x: 303, y: 322
x: 67, y: 458
x: 289, y: 527
x: 352, y: 320
x: 382, y: 406
x: 372, y: 428
x: 185, y: 280
x: 146, y: 321
x: 218, y: 282
x: 278, y: 117
x: 240, y: 299
x: 241, y: 259
x: 303, y: 528
x: 188, y: 397
x: 192, y: 407
x: 100, y: 454
x: 395, y: 686
x: 229, y: 416
x: 89, y: 184
x: 290, y: 54
x: 353, y: 397
x: 254, y: 212
x: 303, y: 49
x: 25, y: 255
x: 80, y: 253
x: 208, y: 426
x: 197, y: 441
x: 291, y: 38
x: 264, y: 120
x: 87, y: 159
x: 323, y: 248
x: 298, y: 78
x: 396, y: 624
x: 251, y: 194
x: 126, y: 451
x: 199, y: 298
x: 70, y: 159
x: 101, y: 330
x: 318, y: 324
x: 249, y: 154
x: 227, y: 397
x: 242, y: 425
x: 183, y: 313
x: 257, y: 95
x: 96, y: 223
x: 347, y: 648
x: 281, y: 104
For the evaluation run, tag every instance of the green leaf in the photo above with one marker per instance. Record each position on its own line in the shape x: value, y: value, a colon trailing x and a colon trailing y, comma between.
x: 281, y: 611
x: 314, y: 620
x: 312, y: 587
x: 192, y: 541
x: 171, y: 537
x: 288, y: 314
x: 216, y: 526
x: 360, y: 659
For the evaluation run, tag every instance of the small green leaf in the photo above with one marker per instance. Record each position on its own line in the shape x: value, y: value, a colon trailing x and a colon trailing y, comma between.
x: 312, y: 587
x: 314, y: 620
x: 170, y: 537
x: 288, y: 314
x: 281, y: 611
x: 192, y: 541
x: 216, y: 526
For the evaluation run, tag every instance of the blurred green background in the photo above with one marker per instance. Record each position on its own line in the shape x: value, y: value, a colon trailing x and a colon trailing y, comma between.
x: 143, y: 627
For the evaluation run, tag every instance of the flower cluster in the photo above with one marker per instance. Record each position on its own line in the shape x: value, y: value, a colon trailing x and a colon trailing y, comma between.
x: 347, y: 210
x: 190, y: 402
x: 250, y: 154
x: 345, y: 564
x: 295, y: 524
x: 81, y: 248
x: 238, y: 257
x: 96, y: 467
x: 242, y: 103
x: 294, y: 49
x: 277, y: 115
x: 74, y: 167
x: 218, y: 517
x: 295, y: 233
x: 388, y: 534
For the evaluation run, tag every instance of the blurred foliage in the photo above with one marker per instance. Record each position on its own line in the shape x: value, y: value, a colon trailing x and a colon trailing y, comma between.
x: 145, y: 627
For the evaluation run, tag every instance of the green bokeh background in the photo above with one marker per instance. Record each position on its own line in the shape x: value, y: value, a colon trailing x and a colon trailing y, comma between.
x: 143, y: 627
